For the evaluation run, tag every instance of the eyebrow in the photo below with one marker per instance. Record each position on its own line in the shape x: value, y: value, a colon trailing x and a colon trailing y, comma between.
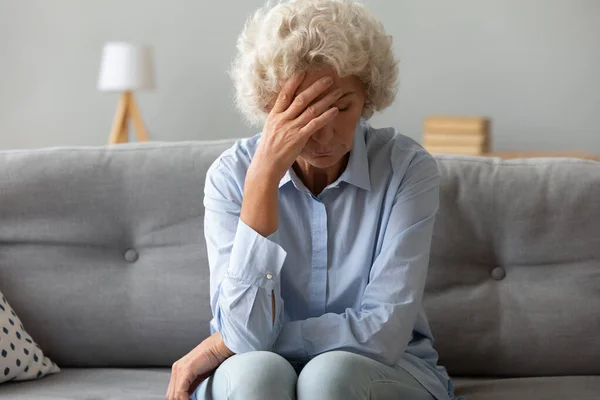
x: 341, y: 97
x: 346, y: 94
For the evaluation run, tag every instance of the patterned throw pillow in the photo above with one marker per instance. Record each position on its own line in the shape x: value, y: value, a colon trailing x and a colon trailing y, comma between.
x: 20, y: 357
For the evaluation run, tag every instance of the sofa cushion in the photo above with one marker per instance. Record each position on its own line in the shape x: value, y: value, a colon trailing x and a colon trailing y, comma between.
x: 92, y: 384
x: 20, y: 357
x: 513, y: 287
x: 151, y: 384
x: 103, y: 254
x: 568, y: 387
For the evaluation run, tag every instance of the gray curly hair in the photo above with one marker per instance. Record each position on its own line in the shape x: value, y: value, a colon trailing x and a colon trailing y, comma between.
x: 279, y: 41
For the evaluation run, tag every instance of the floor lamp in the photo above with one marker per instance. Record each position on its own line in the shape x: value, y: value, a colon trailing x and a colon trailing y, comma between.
x: 126, y: 68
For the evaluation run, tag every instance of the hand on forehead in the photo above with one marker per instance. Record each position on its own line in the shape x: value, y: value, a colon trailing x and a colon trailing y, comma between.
x: 348, y: 84
x: 313, y: 75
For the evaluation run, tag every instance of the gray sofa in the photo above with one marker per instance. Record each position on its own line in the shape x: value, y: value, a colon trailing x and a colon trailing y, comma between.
x: 102, y: 256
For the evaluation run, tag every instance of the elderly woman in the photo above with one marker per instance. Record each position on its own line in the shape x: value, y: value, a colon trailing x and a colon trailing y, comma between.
x: 319, y: 228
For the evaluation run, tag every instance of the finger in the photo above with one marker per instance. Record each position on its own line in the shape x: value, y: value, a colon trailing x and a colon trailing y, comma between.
x: 315, y: 110
x: 172, y: 382
x: 185, y: 391
x: 194, y: 385
x: 169, y: 395
x: 303, y: 100
x: 318, y: 122
x: 286, y: 95
x: 181, y: 388
x: 182, y: 396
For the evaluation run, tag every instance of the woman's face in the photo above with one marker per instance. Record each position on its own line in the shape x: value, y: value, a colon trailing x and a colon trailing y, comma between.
x: 330, y: 144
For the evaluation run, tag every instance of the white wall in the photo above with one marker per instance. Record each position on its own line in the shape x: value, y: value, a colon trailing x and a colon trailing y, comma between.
x: 533, y: 66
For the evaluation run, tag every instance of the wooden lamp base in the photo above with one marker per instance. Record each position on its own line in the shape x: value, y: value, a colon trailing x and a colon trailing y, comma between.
x: 125, y: 110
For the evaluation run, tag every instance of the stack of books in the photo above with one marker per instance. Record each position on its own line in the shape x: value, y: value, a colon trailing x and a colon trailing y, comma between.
x: 456, y: 135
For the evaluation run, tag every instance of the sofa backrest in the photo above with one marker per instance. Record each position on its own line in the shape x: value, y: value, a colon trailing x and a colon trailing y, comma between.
x: 102, y: 255
x: 102, y: 251
x: 514, y: 279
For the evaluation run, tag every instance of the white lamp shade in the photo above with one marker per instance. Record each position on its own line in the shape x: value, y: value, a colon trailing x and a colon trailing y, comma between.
x: 126, y: 67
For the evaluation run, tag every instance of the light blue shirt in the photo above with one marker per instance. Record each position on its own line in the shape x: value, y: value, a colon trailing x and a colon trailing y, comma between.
x: 347, y: 267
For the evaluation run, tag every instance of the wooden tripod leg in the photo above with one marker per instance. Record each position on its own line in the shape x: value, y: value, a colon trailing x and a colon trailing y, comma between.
x: 137, y: 121
x: 118, y: 133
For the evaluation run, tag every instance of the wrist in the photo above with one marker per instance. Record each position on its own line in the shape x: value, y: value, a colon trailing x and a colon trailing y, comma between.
x: 218, y: 347
x: 264, y: 174
x: 260, y: 199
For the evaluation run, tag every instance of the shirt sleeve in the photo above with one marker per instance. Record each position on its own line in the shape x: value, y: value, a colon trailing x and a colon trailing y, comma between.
x: 381, y: 329
x: 244, y: 266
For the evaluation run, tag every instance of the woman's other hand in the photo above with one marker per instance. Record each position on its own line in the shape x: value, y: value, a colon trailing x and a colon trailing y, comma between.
x: 291, y: 122
x: 197, y: 365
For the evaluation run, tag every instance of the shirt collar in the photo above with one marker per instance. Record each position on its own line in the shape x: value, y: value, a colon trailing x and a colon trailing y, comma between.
x: 357, y: 170
x: 286, y: 178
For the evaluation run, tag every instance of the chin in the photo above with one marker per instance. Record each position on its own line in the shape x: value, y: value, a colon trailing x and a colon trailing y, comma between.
x: 322, y: 161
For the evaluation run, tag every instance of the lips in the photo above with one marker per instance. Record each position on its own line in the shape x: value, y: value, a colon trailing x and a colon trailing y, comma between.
x: 321, y: 152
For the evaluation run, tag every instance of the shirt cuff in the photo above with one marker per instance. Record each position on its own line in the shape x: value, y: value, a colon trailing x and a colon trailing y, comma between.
x: 255, y: 259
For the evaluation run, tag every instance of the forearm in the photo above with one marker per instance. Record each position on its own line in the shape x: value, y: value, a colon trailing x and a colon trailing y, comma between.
x: 260, y: 208
x: 211, y: 351
x: 260, y: 203
x: 361, y: 332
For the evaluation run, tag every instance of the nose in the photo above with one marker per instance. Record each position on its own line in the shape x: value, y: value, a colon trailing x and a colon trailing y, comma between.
x: 323, y: 135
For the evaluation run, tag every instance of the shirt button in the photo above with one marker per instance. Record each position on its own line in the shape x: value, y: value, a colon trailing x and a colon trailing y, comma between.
x: 269, y: 276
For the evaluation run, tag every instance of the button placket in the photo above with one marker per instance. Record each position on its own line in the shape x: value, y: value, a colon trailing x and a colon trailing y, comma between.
x: 318, y: 278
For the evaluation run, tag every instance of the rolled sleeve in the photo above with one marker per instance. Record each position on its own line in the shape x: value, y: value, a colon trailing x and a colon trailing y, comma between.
x: 244, y: 266
x: 255, y: 259
x: 290, y: 342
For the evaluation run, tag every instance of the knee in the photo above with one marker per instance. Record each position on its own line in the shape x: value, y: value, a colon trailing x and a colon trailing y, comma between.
x: 257, y: 375
x: 333, y: 375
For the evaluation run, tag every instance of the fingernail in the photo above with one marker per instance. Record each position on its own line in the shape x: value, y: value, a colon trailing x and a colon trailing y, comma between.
x: 337, y: 92
x: 328, y: 80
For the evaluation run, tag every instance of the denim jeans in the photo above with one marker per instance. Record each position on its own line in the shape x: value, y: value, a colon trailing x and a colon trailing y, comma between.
x: 335, y: 375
